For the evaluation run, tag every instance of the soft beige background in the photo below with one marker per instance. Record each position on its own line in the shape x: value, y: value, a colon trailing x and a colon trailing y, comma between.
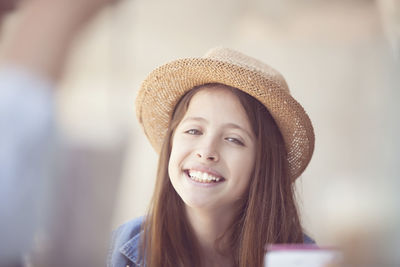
x: 340, y: 59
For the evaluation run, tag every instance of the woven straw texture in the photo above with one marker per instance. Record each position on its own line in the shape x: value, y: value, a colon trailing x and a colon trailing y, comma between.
x: 164, y: 86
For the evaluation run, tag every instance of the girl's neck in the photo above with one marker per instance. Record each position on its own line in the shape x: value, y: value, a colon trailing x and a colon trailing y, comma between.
x: 208, y: 226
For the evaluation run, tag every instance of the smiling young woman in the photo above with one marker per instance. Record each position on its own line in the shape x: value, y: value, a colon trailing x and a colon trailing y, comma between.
x: 213, y: 141
x: 231, y: 141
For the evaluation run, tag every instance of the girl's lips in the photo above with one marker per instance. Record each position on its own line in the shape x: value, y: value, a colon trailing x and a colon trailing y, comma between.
x: 202, y: 181
x: 203, y: 169
x: 203, y: 177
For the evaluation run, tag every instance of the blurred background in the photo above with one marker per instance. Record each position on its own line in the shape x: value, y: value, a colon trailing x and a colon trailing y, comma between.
x: 340, y: 58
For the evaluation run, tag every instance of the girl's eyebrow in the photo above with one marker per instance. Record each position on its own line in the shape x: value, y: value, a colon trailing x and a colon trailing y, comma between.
x: 226, y: 125
x: 195, y: 119
x: 235, y: 126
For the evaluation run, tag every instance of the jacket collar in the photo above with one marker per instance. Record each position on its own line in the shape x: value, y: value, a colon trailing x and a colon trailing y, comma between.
x: 131, y: 249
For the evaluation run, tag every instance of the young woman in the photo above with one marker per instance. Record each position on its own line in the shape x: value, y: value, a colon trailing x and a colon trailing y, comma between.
x: 231, y: 141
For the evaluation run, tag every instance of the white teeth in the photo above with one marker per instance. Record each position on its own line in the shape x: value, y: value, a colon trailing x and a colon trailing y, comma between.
x: 203, y: 177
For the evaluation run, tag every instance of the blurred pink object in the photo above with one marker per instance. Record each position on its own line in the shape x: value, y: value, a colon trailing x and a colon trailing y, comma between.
x: 298, y: 255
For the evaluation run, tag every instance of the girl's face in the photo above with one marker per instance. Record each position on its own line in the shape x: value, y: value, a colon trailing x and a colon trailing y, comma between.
x: 213, y: 150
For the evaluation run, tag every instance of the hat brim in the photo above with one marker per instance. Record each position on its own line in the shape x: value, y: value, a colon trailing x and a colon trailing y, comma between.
x: 164, y: 86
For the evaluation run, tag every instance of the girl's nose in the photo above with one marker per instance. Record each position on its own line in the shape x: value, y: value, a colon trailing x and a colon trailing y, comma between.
x: 207, y: 155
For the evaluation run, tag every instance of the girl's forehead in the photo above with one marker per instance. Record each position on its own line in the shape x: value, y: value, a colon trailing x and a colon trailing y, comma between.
x: 218, y: 105
x: 214, y: 98
x: 214, y: 93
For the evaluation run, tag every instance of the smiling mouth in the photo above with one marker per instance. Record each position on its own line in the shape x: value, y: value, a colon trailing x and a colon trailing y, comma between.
x: 203, y: 177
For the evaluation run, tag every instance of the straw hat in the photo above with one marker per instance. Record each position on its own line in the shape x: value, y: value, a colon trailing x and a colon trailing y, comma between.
x: 164, y: 86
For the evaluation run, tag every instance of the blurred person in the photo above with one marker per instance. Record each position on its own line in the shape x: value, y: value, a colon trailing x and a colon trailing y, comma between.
x: 6, y: 6
x: 232, y: 141
x: 30, y: 68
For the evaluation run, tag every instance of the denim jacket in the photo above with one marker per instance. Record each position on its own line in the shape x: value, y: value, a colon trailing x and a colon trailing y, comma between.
x: 124, y: 249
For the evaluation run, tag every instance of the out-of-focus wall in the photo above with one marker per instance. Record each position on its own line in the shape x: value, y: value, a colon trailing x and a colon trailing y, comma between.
x: 337, y: 60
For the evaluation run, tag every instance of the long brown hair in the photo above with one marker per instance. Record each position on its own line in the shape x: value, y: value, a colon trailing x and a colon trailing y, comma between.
x: 267, y: 213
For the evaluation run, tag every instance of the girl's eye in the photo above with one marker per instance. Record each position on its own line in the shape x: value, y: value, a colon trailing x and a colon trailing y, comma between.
x: 234, y: 140
x: 193, y: 132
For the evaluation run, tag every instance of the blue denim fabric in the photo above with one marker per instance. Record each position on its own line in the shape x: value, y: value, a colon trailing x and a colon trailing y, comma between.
x: 124, y: 248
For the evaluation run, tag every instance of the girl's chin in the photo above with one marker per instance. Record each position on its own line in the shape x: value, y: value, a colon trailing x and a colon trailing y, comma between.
x: 199, y: 205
